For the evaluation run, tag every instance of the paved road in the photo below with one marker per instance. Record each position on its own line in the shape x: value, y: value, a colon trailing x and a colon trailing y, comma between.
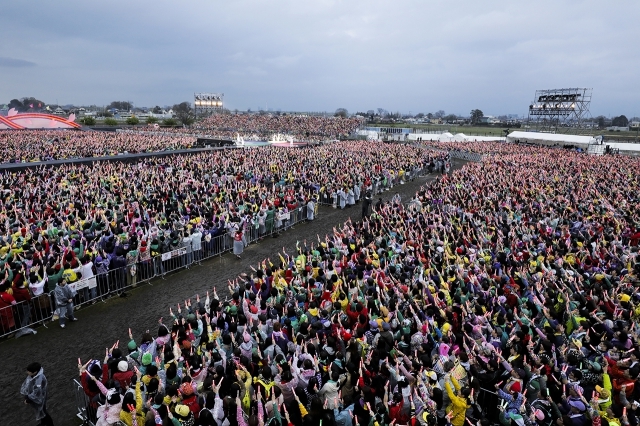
x: 100, y: 325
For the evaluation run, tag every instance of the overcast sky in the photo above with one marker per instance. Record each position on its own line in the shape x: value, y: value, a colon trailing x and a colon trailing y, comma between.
x: 410, y: 56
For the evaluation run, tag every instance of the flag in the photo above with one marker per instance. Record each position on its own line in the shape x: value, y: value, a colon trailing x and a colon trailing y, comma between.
x: 39, y: 105
x: 30, y: 105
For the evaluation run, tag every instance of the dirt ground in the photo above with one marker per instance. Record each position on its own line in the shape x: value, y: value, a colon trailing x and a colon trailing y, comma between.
x: 100, y: 325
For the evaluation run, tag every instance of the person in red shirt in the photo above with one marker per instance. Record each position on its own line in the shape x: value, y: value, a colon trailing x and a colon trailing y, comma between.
x: 22, y: 296
x: 7, y: 301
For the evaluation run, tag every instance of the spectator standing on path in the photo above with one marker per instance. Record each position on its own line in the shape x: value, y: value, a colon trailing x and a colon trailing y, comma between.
x: 238, y: 244
x: 34, y: 391
x: 366, y: 204
x: 64, y: 301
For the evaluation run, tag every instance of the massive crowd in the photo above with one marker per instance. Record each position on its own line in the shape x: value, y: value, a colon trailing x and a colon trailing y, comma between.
x: 43, y: 145
x: 304, y: 128
x: 25, y: 146
x: 74, y: 221
x: 505, y: 292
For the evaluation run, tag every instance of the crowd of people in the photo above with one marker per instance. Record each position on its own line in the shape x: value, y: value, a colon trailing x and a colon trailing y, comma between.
x: 103, y: 226
x: 264, y: 126
x: 26, y: 146
x: 505, y: 293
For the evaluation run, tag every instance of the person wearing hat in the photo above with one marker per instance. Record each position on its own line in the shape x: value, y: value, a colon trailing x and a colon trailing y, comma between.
x: 183, y: 416
x: 123, y: 375
x: 190, y: 398
x: 514, y: 400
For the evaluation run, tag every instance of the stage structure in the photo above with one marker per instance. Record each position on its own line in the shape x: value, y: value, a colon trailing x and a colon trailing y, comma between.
x: 207, y: 103
x: 560, y: 110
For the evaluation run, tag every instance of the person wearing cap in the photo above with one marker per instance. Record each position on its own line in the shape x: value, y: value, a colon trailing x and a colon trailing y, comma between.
x: 183, y: 416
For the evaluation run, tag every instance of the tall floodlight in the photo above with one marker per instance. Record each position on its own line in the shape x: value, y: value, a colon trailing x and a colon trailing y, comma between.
x: 207, y: 103
x: 560, y: 110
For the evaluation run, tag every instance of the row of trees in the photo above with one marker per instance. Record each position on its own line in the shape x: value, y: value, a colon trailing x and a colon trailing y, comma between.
x: 132, y: 121
x: 382, y: 113
x: 619, y: 121
x: 25, y: 104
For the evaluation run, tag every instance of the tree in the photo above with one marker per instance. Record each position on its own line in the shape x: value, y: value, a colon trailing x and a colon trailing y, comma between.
x: 133, y: 120
x: 89, y: 121
x: 30, y: 102
x: 151, y: 120
x: 450, y: 118
x: 156, y: 110
x: 120, y: 105
x: 169, y: 122
x: 341, y: 112
x: 429, y: 116
x: 601, y: 122
x: 420, y: 115
x: 476, y: 115
x: 184, y: 113
x: 110, y: 121
x: 621, y: 121
x: 16, y: 104
x: 439, y: 114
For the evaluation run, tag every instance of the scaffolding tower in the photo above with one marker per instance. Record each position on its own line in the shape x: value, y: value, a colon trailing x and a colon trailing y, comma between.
x: 560, y: 110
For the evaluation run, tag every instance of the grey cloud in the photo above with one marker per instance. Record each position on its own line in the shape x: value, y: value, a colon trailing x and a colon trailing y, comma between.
x: 15, y: 63
x: 407, y: 55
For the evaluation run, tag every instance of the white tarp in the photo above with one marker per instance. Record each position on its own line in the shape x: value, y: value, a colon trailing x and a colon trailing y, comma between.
x: 550, y: 138
x: 448, y: 137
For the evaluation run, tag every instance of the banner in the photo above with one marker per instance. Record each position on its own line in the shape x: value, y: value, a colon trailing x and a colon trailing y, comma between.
x: 175, y: 253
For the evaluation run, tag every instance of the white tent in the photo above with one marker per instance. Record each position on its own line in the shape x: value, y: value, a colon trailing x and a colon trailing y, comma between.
x: 448, y: 137
x: 445, y: 137
x: 551, y: 139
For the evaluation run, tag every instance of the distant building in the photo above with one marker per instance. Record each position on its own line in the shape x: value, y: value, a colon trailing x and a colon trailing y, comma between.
x: 489, y: 119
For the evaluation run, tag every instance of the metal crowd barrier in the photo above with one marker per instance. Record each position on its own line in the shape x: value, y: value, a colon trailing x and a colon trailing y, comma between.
x: 85, y: 410
x: 487, y: 404
x: 466, y: 156
x: 18, y: 319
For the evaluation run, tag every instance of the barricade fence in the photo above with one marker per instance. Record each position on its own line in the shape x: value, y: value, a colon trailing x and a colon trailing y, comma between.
x: 86, y: 410
x: 466, y: 156
x: 19, y: 318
